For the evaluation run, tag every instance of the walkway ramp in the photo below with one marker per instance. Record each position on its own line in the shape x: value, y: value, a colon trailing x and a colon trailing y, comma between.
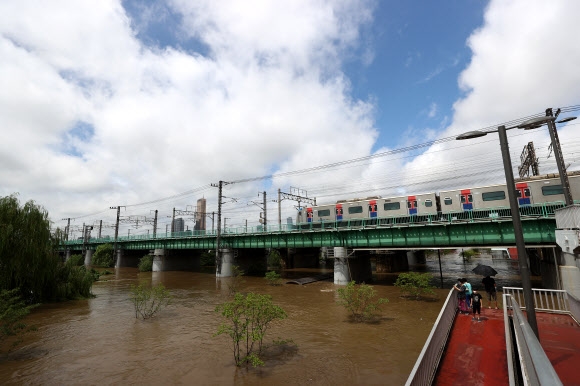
x: 311, y: 279
x: 475, y: 352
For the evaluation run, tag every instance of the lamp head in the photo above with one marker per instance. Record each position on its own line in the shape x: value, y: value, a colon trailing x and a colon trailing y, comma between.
x: 471, y: 134
x: 568, y: 119
x: 535, y: 123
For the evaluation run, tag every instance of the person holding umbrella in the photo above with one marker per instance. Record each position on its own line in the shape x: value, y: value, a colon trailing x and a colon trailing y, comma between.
x: 489, y: 284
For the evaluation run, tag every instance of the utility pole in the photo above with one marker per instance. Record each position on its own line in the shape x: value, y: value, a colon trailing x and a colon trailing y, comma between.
x: 100, y: 228
x: 559, y: 157
x: 218, y: 257
x: 67, y: 230
x: 155, y: 225
x: 265, y: 213
x: 116, y: 231
x: 173, y: 221
x: 528, y: 160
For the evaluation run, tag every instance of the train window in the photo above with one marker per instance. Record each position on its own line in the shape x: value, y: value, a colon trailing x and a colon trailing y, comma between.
x: 463, y: 199
x: 355, y: 209
x: 392, y: 205
x: 493, y: 196
x: 339, y: 211
x: 373, y: 208
x: 447, y: 201
x: 518, y: 193
x: 428, y: 203
x: 527, y: 192
x: 324, y: 213
x: 551, y: 190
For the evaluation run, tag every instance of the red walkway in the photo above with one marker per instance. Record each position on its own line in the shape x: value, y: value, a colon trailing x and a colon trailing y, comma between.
x: 476, y: 353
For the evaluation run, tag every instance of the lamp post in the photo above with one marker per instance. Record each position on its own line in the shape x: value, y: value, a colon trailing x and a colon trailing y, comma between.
x: 538, y: 122
x: 519, y: 235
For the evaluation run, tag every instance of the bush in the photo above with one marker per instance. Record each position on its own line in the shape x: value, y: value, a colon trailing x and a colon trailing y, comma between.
x: 359, y: 301
x: 248, y: 318
x: 12, y: 310
x: 468, y: 254
x: 415, y: 284
x: 149, y: 300
x: 103, y: 256
x: 274, y: 259
x: 146, y: 263
x: 76, y: 260
x: 273, y: 278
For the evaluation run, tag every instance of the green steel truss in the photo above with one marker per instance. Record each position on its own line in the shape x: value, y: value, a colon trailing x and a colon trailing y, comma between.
x: 354, y: 234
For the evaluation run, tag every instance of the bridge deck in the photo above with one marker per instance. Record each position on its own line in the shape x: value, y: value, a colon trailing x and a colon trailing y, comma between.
x: 476, y: 351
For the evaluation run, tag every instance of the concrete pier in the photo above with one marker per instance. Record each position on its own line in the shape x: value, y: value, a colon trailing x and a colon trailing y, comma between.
x: 224, y: 268
x: 88, y: 257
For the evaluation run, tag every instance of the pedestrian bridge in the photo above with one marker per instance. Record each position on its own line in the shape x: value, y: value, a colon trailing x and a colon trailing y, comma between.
x: 492, y: 227
x: 502, y: 349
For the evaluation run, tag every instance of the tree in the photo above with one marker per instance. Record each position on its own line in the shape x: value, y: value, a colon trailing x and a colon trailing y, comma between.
x: 28, y: 251
x: 273, y: 278
x: 274, y: 259
x: 149, y: 300
x: 103, y: 256
x: 415, y: 284
x: 359, y: 301
x: 12, y: 311
x: 146, y: 263
x: 248, y: 318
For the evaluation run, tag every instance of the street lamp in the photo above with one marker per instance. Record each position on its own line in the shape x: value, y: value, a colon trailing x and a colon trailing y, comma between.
x: 538, y: 122
x: 519, y: 235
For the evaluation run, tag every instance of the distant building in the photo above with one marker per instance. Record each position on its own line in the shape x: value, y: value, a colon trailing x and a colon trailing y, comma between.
x: 178, y: 225
x: 200, y: 215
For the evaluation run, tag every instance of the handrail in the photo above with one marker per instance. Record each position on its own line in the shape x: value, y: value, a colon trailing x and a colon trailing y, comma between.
x: 534, y: 363
x: 427, y: 363
x: 509, y: 346
x: 574, y: 305
x: 545, y: 300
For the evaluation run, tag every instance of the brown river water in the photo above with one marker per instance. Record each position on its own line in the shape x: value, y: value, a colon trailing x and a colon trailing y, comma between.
x: 99, y: 341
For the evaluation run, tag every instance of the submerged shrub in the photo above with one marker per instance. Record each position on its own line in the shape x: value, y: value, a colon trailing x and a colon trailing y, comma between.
x: 103, y: 256
x: 146, y: 263
x: 359, y: 301
x: 415, y: 284
x: 149, y: 300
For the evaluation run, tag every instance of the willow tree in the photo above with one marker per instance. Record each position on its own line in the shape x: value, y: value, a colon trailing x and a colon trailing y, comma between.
x: 28, y: 257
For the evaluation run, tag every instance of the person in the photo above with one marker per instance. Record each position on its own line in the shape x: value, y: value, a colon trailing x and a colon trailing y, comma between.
x: 461, y: 296
x: 489, y: 284
x: 476, y: 304
x: 468, y: 293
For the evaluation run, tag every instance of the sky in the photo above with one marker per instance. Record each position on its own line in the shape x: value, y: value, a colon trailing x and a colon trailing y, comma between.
x: 148, y: 104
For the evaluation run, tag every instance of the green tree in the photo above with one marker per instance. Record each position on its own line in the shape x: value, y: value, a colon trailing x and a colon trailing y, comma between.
x: 76, y: 260
x: 359, y: 301
x: 146, y: 263
x: 28, y: 251
x: 103, y: 256
x: 274, y: 260
x: 12, y: 310
x: 248, y: 318
x: 415, y: 284
x: 149, y: 300
x: 273, y: 278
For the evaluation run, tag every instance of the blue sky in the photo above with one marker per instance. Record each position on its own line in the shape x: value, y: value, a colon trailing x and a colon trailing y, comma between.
x: 146, y: 104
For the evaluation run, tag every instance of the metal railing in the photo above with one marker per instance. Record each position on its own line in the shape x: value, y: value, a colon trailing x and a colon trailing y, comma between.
x: 545, y: 300
x: 574, y: 305
x: 543, y: 210
x: 534, y: 364
x: 427, y: 364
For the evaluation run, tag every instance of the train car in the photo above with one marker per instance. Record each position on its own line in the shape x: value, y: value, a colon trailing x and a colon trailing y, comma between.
x: 462, y: 200
x: 420, y: 204
x: 548, y: 189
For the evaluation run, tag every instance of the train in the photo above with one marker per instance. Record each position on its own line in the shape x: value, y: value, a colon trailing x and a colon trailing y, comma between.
x: 531, y: 192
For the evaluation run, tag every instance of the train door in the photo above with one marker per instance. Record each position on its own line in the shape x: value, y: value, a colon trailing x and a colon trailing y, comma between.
x: 373, y: 209
x: 338, y: 212
x: 309, y: 214
x: 523, y: 193
x: 466, y: 199
x: 412, y: 205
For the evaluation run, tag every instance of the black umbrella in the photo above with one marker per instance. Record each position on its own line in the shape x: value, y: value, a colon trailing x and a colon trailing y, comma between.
x: 484, y: 270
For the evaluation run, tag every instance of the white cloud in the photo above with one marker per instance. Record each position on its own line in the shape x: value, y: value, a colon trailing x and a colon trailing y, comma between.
x: 269, y: 96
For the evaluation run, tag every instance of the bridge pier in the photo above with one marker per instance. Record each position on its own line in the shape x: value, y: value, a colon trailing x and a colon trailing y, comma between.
x: 88, y: 257
x: 118, y: 258
x: 351, y: 268
x: 224, y: 268
x: 158, y: 260
x: 67, y: 255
